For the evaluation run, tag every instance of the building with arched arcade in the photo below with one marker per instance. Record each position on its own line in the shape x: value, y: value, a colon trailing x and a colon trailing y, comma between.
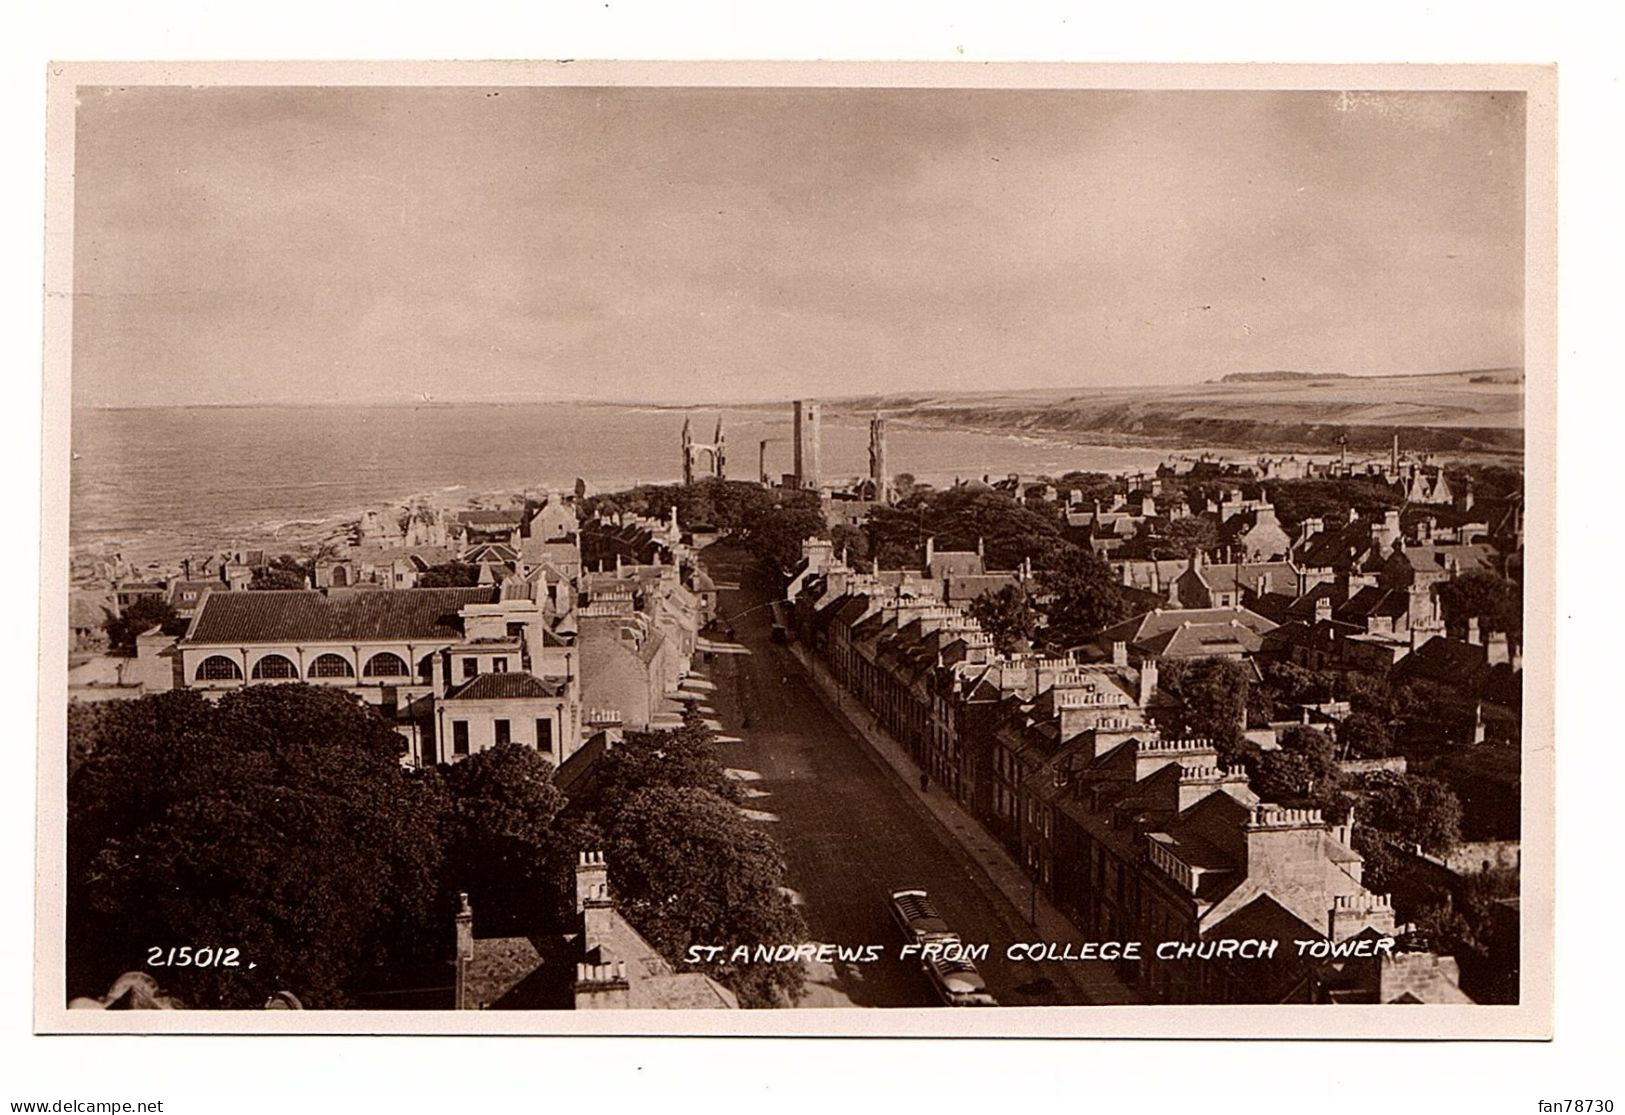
x: 458, y: 670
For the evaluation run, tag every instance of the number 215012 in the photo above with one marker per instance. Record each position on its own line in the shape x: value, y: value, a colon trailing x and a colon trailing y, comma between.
x: 185, y: 956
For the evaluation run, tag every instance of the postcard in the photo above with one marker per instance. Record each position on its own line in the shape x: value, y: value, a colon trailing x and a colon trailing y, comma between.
x: 842, y: 549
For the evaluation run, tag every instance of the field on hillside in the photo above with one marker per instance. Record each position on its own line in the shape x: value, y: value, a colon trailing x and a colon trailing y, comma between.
x: 1477, y: 411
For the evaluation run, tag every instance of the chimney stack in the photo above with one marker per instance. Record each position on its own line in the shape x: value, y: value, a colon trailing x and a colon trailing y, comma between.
x: 1473, y: 636
x: 592, y: 881
x: 1119, y: 653
x: 1495, y: 649
x: 602, y: 986
x: 1148, y: 681
x: 1323, y: 609
x: 465, y: 928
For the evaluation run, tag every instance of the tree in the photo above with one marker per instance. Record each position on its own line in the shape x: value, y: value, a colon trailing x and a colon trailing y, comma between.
x: 1006, y: 615
x: 851, y: 541
x: 1329, y: 500
x: 1184, y: 537
x: 143, y: 614
x: 777, y: 537
x: 503, y: 849
x: 450, y: 574
x: 1364, y: 736
x: 961, y: 519
x: 1491, y: 599
x: 1084, y: 597
x: 687, y: 869
x: 1414, y: 810
x: 1383, y: 870
x: 278, y: 822
x: 1281, y: 776
x: 1213, y: 696
x: 1304, y: 768
x: 682, y: 758
x: 282, y: 572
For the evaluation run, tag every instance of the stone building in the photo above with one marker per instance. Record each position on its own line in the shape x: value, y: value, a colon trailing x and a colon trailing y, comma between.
x: 704, y: 462
x: 808, y: 445
x: 418, y: 655
x: 599, y: 962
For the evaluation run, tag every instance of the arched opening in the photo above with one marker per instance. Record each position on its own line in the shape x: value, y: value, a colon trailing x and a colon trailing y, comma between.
x: 341, y: 576
x: 275, y: 667
x: 332, y: 666
x: 217, y: 667
x: 385, y: 665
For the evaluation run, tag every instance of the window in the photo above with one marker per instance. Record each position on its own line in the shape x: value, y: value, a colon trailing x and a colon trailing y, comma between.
x: 499, y: 665
x: 275, y: 666
x: 217, y: 667
x: 544, y: 735
x: 504, y: 732
x: 331, y: 666
x: 459, y: 737
x: 385, y: 665
x: 516, y: 631
x: 471, y: 668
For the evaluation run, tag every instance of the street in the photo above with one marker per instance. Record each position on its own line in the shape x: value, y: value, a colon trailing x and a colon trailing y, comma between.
x: 851, y: 831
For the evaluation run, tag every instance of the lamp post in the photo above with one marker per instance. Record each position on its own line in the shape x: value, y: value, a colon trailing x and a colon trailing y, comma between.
x: 1032, y: 906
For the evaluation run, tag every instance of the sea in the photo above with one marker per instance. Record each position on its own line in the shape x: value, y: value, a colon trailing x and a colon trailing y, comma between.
x: 169, y: 480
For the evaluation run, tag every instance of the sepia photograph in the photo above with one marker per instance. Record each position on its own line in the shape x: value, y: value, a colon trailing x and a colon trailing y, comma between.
x: 774, y: 549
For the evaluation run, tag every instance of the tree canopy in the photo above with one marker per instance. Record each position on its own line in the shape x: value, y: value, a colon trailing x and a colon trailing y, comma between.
x: 450, y: 574
x: 685, y: 865
x: 1213, y: 696
x: 1488, y: 597
x: 142, y: 615
x: 1083, y: 596
x: 1413, y: 809
x: 1188, y: 536
x: 285, y: 571
x: 502, y: 847
x: 278, y: 821
x: 1303, y: 769
x: 686, y: 868
x: 1007, y: 616
x: 961, y: 519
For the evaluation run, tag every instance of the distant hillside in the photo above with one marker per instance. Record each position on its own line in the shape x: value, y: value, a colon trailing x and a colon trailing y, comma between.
x: 1277, y: 377
x: 1474, y: 411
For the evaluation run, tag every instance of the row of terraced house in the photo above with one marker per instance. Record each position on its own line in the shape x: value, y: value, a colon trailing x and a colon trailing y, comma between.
x: 1134, y: 832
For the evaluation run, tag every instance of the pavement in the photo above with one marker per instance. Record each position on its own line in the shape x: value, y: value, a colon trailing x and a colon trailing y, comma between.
x: 1094, y: 982
x: 843, y: 801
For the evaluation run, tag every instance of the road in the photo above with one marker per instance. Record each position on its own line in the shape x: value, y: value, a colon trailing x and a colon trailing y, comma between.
x: 851, y: 830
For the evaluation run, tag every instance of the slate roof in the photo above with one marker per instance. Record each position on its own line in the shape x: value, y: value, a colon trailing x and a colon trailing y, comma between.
x: 1186, y: 632
x: 507, y: 687
x: 1446, y: 661
x: 490, y: 518
x: 951, y: 563
x: 1373, y: 601
x: 1468, y: 557
x: 312, y: 616
x: 965, y: 587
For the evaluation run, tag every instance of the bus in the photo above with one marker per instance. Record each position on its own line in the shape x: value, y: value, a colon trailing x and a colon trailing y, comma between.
x: 957, y: 982
x: 951, y: 973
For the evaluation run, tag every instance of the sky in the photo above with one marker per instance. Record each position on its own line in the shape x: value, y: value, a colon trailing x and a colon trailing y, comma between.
x: 305, y: 245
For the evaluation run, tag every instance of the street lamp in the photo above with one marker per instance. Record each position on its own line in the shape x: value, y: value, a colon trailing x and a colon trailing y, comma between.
x: 1032, y: 892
